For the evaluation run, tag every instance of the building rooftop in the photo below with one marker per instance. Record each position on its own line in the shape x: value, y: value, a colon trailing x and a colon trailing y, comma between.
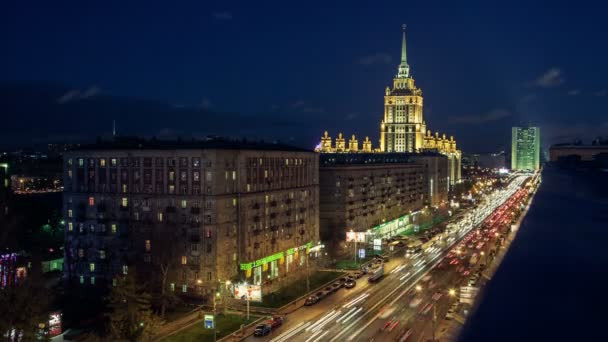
x: 332, y: 159
x: 135, y: 143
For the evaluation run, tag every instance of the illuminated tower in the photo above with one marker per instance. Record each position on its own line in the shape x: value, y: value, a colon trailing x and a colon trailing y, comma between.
x: 525, y: 147
x: 402, y: 129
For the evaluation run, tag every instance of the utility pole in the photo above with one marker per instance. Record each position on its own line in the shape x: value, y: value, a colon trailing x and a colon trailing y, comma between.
x: 307, y: 273
x: 215, y: 317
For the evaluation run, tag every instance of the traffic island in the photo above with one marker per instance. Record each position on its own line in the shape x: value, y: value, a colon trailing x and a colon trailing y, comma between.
x: 226, y: 324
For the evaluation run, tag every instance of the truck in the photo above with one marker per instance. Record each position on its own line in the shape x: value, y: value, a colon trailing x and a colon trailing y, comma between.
x: 376, y: 273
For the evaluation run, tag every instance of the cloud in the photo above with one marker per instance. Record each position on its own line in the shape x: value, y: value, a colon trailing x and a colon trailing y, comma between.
x: 378, y: 58
x: 298, y: 104
x: 351, y: 116
x: 69, y: 96
x: 551, y: 78
x: 493, y: 115
x: 601, y: 93
x: 553, y: 133
x: 224, y: 15
x: 91, y: 91
x: 574, y: 92
x: 76, y: 94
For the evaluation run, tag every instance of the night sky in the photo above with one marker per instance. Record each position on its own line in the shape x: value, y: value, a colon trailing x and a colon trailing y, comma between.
x: 289, y: 70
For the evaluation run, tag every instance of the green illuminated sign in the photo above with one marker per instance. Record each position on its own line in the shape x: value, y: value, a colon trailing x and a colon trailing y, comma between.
x: 271, y: 258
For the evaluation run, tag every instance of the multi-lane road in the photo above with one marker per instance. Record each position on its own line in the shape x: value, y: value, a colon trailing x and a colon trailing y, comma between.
x: 414, y: 290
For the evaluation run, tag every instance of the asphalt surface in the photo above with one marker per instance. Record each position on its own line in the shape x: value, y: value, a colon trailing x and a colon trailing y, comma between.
x: 412, y: 291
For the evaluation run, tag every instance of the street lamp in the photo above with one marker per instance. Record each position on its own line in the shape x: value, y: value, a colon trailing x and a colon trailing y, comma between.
x: 418, y: 288
x: 452, y: 292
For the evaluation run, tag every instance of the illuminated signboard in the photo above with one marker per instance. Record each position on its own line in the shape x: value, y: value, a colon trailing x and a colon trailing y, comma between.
x: 355, y: 236
x: 55, y: 323
x: 247, y: 291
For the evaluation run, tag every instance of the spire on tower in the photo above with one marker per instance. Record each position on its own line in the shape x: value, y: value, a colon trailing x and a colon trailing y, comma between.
x: 403, y: 49
x: 404, y: 68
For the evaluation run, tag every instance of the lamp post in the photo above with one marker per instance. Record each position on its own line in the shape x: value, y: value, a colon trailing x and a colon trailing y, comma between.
x: 217, y: 294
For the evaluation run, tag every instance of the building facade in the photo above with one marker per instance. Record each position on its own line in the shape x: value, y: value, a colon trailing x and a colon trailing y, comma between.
x: 360, y: 191
x: 584, y: 152
x: 191, y: 215
x: 525, y: 148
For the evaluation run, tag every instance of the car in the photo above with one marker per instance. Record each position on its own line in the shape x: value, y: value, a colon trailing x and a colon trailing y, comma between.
x: 337, y: 285
x: 350, y: 283
x: 262, y: 330
x: 275, y: 322
x: 311, y: 300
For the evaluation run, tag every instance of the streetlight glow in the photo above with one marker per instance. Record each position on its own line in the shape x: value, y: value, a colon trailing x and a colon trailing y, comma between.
x: 452, y: 292
x: 418, y: 288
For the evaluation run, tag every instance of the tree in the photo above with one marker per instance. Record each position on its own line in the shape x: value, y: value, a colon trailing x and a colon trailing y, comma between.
x: 165, y: 261
x: 130, y: 317
x: 22, y: 307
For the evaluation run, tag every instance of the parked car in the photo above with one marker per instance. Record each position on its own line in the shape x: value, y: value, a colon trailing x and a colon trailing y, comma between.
x: 275, y: 322
x: 350, y: 283
x: 311, y: 300
x: 262, y: 330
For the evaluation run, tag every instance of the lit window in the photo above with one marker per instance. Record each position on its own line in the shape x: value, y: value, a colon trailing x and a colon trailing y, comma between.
x: 160, y: 217
x: 148, y: 245
x: 234, y: 202
x: 113, y: 162
x: 92, y: 267
x: 171, y: 189
x: 91, y: 201
x: 184, y: 288
x: 113, y: 281
x: 102, y: 162
x: 82, y: 279
x: 80, y: 162
x: 92, y: 280
x: 233, y: 175
x: 102, y: 254
x: 171, y: 175
x: 125, y: 269
x: 70, y: 213
x: 265, y: 173
x: 124, y: 188
x: 70, y: 161
x: 172, y: 286
x: 70, y: 226
x: 184, y: 259
x: 80, y: 252
x: 70, y: 174
x: 184, y: 204
x: 113, y: 227
x: 248, y: 187
x: 125, y: 202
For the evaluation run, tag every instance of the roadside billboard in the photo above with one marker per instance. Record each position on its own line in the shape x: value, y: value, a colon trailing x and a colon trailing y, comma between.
x: 355, y: 236
x: 246, y: 291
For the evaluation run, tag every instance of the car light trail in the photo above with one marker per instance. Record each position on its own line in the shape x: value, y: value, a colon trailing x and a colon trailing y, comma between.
x: 346, y: 314
x: 356, y: 300
x: 286, y: 335
x: 346, y: 319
